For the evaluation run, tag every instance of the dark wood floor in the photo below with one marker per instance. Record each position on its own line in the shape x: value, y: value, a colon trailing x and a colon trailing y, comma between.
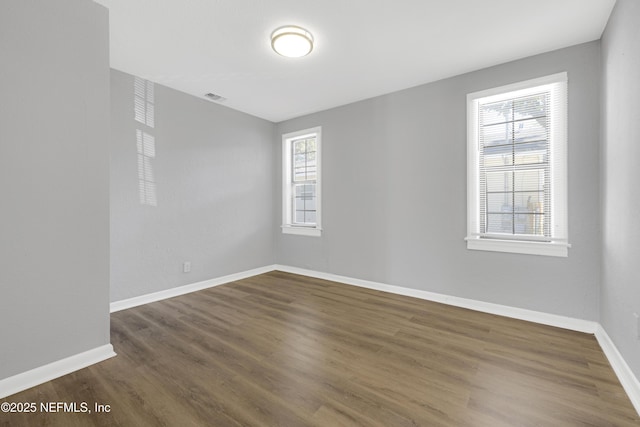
x: 281, y: 349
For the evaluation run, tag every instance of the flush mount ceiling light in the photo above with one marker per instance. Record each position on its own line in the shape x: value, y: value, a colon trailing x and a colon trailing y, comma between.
x: 292, y: 41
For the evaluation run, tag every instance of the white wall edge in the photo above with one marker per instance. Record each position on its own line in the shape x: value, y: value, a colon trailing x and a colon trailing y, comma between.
x: 181, y: 290
x: 42, y: 374
x: 626, y: 376
x: 564, y: 322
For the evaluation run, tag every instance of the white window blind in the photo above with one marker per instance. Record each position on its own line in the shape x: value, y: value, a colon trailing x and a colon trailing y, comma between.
x: 517, y: 167
x: 304, y: 165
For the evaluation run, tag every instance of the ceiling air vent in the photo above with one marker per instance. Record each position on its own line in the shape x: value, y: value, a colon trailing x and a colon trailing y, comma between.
x: 214, y: 97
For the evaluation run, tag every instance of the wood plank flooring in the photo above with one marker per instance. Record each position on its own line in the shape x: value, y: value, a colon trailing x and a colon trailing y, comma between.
x: 285, y: 350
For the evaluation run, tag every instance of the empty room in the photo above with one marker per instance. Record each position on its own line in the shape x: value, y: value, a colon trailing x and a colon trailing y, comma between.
x: 319, y: 213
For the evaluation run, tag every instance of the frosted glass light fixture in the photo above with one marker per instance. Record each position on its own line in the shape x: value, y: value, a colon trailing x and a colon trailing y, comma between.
x: 292, y: 41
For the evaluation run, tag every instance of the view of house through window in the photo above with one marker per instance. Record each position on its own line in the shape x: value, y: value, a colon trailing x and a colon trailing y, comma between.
x: 514, y: 166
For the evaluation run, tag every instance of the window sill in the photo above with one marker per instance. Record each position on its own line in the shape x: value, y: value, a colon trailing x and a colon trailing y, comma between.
x: 556, y: 249
x: 301, y: 231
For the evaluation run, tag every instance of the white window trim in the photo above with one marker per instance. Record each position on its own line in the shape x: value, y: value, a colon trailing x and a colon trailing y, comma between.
x: 287, y: 212
x: 558, y: 246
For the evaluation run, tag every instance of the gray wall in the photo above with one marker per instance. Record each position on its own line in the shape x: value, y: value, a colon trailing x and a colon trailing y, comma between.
x: 54, y: 181
x: 620, y: 295
x: 394, y: 193
x: 215, y: 197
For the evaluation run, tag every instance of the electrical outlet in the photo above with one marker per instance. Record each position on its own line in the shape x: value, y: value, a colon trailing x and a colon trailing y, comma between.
x: 186, y: 267
x: 635, y: 315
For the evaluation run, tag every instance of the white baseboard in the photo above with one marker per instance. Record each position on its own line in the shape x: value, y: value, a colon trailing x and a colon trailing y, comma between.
x: 181, y: 290
x: 564, y: 322
x: 37, y: 376
x: 580, y: 325
x: 626, y: 376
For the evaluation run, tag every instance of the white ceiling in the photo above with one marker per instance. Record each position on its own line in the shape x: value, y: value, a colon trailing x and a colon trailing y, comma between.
x: 364, y: 48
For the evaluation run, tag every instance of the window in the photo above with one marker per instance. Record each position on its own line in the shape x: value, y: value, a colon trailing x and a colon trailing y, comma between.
x: 301, y: 182
x: 517, y: 168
